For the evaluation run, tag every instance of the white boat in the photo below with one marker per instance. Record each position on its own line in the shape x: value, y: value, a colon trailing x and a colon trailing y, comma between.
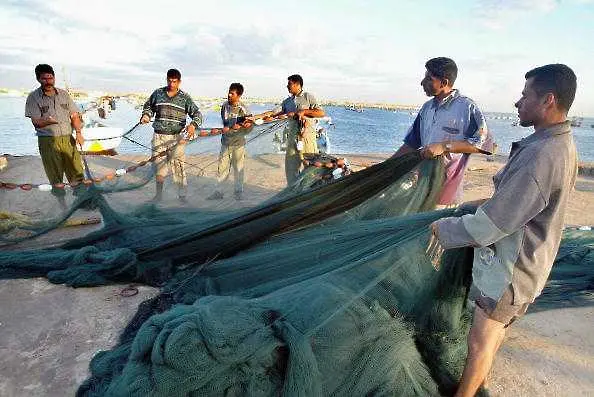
x: 323, y: 141
x: 100, y: 138
x: 322, y: 125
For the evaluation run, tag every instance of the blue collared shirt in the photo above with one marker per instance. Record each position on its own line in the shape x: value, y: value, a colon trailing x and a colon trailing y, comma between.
x: 455, y: 118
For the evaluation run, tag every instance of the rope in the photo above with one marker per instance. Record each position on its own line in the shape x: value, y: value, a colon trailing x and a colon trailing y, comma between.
x: 122, y: 171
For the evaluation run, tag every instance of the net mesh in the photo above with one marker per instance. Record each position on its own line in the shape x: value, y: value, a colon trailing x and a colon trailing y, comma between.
x: 323, y: 288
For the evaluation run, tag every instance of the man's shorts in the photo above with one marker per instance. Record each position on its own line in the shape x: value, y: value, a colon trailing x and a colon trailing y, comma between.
x: 503, y: 310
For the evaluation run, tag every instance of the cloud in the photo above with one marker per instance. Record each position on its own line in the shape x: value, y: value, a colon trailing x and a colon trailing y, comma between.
x: 128, y: 41
x: 498, y: 14
x: 356, y: 53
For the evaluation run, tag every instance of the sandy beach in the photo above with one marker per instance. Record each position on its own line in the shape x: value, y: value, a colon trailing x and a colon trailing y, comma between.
x: 48, y: 333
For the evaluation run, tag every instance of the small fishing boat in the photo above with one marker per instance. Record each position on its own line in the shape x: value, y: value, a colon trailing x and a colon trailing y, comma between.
x: 100, y: 138
x: 323, y: 140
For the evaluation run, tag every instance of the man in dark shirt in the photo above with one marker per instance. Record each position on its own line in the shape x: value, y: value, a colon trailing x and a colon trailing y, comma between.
x: 171, y: 106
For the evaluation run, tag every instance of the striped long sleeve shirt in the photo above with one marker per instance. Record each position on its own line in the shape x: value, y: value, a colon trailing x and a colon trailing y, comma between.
x: 170, y: 112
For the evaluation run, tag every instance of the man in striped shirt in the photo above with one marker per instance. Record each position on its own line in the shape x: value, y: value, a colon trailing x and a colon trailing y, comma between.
x: 171, y: 107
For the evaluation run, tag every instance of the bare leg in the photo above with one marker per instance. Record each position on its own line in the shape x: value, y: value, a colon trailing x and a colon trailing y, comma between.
x: 484, y: 340
x: 487, y: 380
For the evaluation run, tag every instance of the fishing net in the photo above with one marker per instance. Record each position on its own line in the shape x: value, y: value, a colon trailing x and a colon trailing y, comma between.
x: 323, y: 288
x: 27, y: 209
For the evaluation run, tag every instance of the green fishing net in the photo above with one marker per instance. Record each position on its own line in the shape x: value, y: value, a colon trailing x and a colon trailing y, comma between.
x: 321, y: 289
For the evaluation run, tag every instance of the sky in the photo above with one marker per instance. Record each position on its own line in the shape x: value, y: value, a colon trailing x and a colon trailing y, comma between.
x: 367, y: 51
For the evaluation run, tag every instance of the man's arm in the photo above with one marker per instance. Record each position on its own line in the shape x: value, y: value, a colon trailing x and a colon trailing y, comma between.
x: 475, y: 137
x: 32, y: 111
x: 148, y: 109
x: 501, y: 215
x: 194, y: 113
x: 223, y: 118
x: 436, y: 149
x: 311, y: 113
x: 404, y: 149
x: 76, y: 122
x: 314, y: 110
x: 412, y: 140
x: 43, y: 122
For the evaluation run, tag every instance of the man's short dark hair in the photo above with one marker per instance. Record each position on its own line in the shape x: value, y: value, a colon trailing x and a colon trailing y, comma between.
x: 173, y: 74
x: 557, y: 79
x: 43, y: 68
x: 237, y: 87
x: 443, y: 68
x: 295, y: 78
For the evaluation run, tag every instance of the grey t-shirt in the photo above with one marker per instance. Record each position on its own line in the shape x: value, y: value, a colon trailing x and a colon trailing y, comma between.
x: 516, y: 233
x: 60, y: 106
x: 302, y: 101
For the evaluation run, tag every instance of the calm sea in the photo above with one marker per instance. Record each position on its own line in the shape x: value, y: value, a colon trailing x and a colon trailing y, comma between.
x: 371, y: 131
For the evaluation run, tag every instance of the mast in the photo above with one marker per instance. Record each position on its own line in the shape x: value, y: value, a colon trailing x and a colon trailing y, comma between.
x: 66, y: 86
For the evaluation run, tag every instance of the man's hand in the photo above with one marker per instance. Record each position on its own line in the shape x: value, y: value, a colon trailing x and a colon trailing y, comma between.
x: 301, y: 115
x: 434, y: 249
x: 191, y: 131
x: 145, y: 119
x: 51, y: 120
x: 79, y: 138
x: 432, y: 150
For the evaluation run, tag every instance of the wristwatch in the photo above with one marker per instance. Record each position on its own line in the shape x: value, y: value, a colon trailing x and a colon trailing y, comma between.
x: 447, y: 147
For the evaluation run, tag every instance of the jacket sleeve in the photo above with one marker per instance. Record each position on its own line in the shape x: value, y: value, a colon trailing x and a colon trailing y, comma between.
x: 194, y: 113
x: 501, y: 215
x: 149, y: 106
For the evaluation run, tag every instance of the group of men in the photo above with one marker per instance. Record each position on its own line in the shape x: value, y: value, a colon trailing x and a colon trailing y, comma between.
x: 170, y: 107
x: 515, y: 233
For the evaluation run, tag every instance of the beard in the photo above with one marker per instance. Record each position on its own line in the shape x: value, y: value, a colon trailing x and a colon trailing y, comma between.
x: 429, y: 91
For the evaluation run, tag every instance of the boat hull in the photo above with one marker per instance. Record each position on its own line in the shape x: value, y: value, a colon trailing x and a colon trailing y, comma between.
x: 101, y: 139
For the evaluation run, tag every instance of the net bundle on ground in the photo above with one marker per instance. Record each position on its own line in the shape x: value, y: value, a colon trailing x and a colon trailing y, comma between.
x: 325, y: 291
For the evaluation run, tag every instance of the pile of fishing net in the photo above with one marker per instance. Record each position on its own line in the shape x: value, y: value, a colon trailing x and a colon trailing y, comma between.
x: 319, y: 290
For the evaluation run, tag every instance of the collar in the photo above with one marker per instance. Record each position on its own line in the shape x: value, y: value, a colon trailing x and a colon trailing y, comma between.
x: 229, y: 104
x: 299, y: 94
x: 445, y: 102
x: 42, y: 94
x: 544, y: 133
x: 179, y: 92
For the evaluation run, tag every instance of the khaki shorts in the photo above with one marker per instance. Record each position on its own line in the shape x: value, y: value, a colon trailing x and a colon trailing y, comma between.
x: 503, y: 310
